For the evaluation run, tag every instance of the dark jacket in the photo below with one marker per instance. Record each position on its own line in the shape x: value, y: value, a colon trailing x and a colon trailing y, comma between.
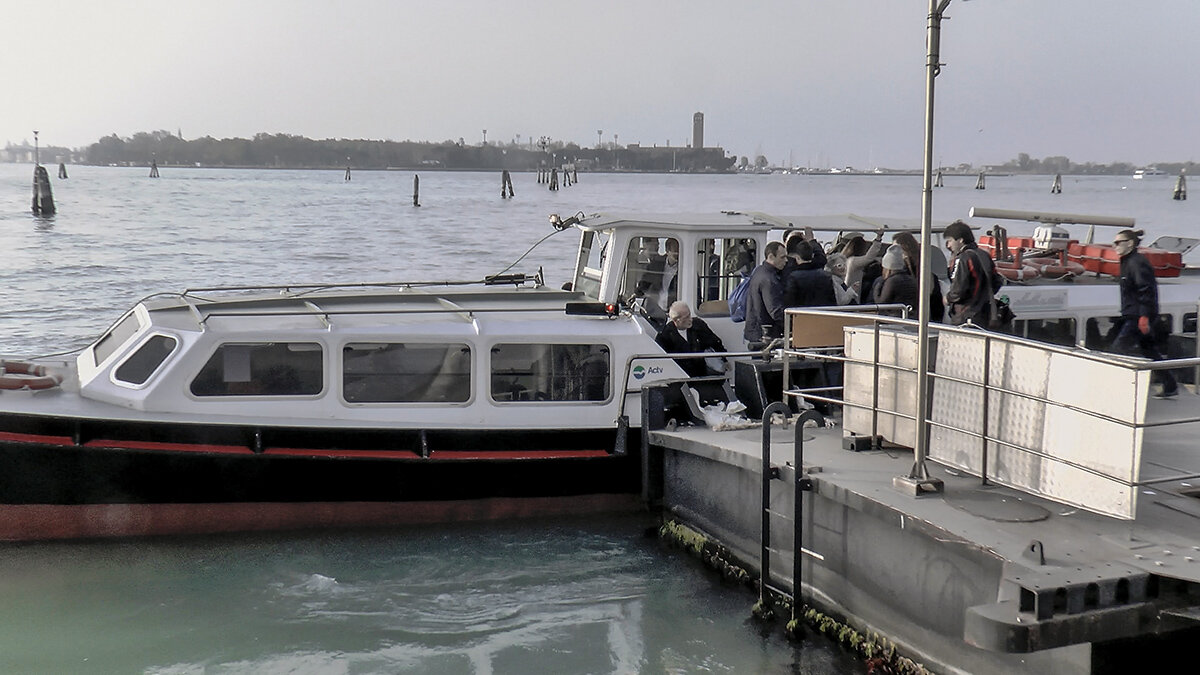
x: 764, y: 304
x: 973, y: 282
x: 699, y: 338
x: 808, y: 285
x: 1139, y: 288
x: 900, y: 288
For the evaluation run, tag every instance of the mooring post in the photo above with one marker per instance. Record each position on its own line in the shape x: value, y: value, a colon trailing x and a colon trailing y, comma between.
x: 154, y: 168
x: 416, y: 190
x: 938, y: 182
x: 506, y: 186
x: 1056, y: 188
x: 553, y: 179
x: 62, y: 170
x: 1180, y: 188
x: 347, y: 168
x: 979, y: 185
x: 43, y: 196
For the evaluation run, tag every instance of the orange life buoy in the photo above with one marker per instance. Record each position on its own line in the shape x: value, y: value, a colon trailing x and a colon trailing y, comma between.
x: 22, y: 375
x: 1054, y: 269
x: 1014, y: 271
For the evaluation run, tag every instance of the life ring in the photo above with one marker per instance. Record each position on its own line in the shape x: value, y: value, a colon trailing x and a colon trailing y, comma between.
x: 1053, y: 269
x: 1015, y: 272
x: 16, y: 375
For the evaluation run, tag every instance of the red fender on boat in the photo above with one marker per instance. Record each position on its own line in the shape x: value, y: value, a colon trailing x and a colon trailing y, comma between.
x: 23, y: 375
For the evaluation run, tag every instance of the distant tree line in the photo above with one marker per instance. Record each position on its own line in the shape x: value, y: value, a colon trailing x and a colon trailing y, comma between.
x: 1023, y: 163
x: 297, y: 152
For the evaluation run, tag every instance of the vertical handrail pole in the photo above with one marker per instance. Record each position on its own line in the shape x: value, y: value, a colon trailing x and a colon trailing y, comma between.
x: 765, y: 553
x: 797, y: 518
x: 987, y: 376
x: 874, y: 388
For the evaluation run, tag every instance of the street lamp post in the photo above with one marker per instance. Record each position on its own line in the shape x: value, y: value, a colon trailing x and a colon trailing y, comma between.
x: 918, y: 480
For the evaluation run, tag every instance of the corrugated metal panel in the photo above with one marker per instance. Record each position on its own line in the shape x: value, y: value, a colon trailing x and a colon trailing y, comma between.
x: 1077, y: 458
x: 1086, y: 460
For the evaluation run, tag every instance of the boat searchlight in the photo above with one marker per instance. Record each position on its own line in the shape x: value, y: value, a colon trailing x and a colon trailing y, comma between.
x: 560, y: 224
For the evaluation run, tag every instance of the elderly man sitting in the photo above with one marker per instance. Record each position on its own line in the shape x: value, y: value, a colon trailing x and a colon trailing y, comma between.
x: 685, y: 333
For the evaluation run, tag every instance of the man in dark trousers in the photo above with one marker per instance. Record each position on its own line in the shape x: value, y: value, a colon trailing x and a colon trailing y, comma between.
x: 764, y: 298
x: 1135, y: 331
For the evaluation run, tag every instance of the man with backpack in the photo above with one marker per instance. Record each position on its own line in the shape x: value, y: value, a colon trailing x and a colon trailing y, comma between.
x: 973, y: 279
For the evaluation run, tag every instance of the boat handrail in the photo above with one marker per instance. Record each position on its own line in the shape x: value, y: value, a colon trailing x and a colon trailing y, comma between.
x: 325, y: 314
x: 987, y: 437
x: 305, y: 288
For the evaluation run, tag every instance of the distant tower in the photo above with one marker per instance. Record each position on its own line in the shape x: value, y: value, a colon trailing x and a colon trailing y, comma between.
x: 698, y: 131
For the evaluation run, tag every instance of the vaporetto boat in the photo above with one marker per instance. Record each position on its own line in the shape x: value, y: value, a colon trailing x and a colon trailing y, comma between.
x: 220, y: 409
x: 253, y: 408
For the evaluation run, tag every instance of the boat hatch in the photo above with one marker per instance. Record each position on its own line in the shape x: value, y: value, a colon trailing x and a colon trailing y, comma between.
x: 1180, y: 245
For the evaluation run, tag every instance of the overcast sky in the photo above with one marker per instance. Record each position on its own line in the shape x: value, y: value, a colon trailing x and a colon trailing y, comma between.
x: 814, y: 82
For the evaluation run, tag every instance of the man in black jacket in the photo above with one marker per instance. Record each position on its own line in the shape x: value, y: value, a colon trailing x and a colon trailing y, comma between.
x: 973, y: 278
x: 687, y: 334
x: 764, y: 298
x: 806, y: 283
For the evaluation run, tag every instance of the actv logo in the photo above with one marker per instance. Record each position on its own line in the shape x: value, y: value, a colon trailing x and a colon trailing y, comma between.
x: 641, y: 371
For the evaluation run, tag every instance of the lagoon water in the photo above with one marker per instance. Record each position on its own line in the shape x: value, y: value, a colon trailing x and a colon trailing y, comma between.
x: 561, y: 596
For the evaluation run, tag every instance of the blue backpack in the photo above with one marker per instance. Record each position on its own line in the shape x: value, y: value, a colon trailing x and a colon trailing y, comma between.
x: 737, y: 301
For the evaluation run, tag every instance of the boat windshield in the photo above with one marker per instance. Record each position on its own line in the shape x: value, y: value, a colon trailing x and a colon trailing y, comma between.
x: 593, y: 248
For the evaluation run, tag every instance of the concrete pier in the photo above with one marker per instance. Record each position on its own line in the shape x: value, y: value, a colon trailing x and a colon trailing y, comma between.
x: 985, y: 576
x: 928, y: 572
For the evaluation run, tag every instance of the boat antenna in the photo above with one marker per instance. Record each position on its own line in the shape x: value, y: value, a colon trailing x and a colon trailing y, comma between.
x: 559, y: 226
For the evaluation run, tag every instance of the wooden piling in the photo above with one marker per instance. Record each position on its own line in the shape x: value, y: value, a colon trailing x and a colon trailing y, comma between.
x: 154, y: 168
x: 938, y: 181
x: 416, y: 190
x: 62, y: 170
x: 1056, y: 188
x: 1180, y: 188
x: 506, y: 186
x: 980, y: 184
x: 43, y: 196
x: 554, y: 180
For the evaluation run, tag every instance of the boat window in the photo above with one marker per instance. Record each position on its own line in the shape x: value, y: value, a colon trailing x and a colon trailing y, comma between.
x: 142, y: 363
x: 593, y: 249
x: 721, y: 264
x: 113, y: 339
x: 1059, y: 331
x: 1099, y: 332
x: 1189, y: 322
x: 651, y: 273
x: 550, y: 372
x: 406, y: 373
x: 262, y: 369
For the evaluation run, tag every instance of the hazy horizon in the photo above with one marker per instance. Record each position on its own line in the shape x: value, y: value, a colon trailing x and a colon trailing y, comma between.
x: 802, y: 83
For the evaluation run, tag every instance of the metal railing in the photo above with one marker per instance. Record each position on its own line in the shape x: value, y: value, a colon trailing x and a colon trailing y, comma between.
x: 992, y: 391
